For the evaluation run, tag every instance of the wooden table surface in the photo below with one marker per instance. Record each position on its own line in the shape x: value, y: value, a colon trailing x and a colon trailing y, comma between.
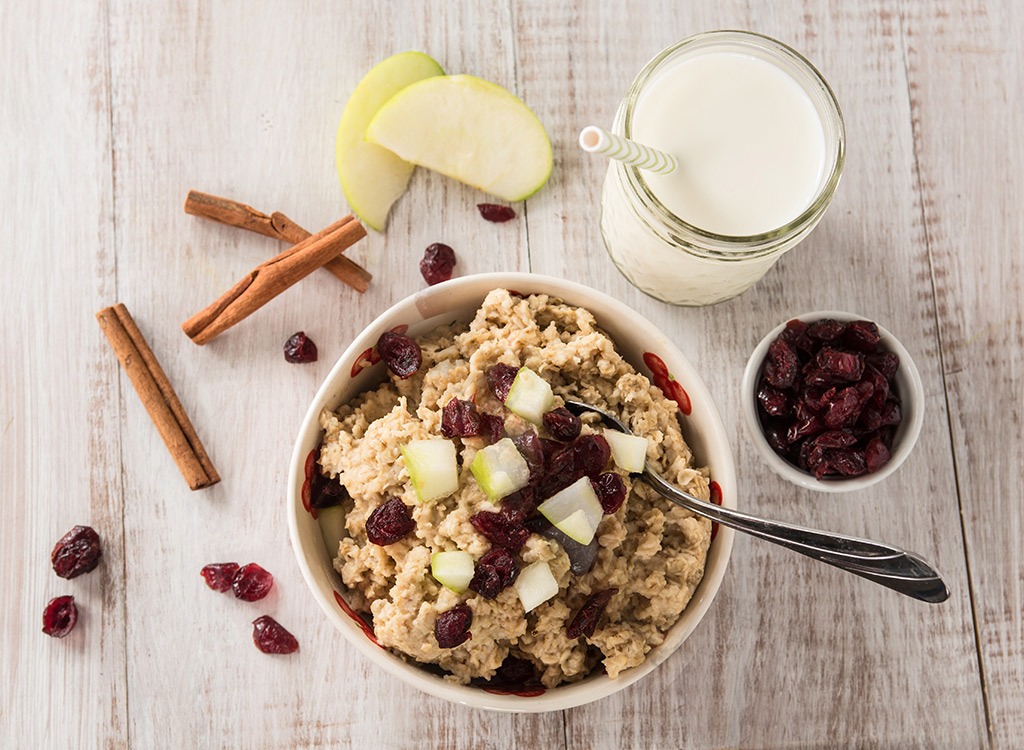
x: 113, y: 110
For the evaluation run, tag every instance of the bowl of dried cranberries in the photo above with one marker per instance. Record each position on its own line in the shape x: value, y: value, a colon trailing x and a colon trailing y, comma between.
x: 832, y: 401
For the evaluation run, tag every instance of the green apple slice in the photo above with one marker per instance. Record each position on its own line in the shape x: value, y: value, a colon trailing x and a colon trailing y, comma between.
x: 432, y: 467
x: 453, y: 569
x: 469, y: 129
x: 578, y: 497
x: 530, y: 396
x: 372, y: 177
x: 500, y: 469
x: 332, y: 527
x: 535, y: 585
x: 629, y: 452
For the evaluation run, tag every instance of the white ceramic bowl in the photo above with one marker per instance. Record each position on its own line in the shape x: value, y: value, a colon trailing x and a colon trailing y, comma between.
x: 458, y: 299
x: 908, y: 383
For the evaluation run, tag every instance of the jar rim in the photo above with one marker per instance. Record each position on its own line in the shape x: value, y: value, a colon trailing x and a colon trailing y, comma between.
x: 729, y: 244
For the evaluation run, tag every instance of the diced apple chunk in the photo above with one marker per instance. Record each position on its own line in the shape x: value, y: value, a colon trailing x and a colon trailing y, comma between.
x: 629, y: 452
x: 530, y: 396
x: 535, y: 585
x: 500, y: 469
x: 432, y: 467
x: 453, y: 570
x: 562, y: 509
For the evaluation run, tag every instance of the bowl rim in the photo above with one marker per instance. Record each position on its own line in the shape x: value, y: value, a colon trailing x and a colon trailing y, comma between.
x: 912, y: 395
x: 562, y: 697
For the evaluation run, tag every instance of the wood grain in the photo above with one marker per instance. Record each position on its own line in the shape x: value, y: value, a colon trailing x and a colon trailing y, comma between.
x: 114, y: 110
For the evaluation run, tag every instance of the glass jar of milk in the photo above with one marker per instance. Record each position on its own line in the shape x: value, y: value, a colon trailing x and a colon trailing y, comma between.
x: 760, y: 142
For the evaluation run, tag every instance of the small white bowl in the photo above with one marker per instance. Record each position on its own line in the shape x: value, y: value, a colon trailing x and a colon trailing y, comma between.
x: 458, y: 299
x: 908, y: 383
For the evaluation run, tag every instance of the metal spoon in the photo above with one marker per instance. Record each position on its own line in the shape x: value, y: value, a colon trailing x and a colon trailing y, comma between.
x: 882, y: 563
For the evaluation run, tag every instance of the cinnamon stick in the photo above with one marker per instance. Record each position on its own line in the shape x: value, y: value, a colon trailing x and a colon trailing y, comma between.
x: 157, y: 395
x: 272, y: 277
x: 275, y: 225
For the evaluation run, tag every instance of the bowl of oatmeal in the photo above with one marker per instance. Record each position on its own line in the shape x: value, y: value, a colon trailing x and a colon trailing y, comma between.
x: 466, y: 533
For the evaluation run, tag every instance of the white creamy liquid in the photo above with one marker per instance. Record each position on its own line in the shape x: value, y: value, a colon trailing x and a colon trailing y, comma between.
x: 750, y: 143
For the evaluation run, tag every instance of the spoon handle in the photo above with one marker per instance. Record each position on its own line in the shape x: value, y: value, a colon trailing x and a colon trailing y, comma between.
x: 882, y: 563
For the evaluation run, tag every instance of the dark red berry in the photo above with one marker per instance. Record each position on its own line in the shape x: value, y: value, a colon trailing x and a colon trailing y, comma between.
x: 451, y: 628
x: 876, y: 454
x: 327, y: 492
x: 514, y: 672
x: 500, y: 378
x: 585, y: 620
x: 863, y: 336
x: 438, y: 263
x: 782, y: 365
x: 501, y: 529
x: 251, y: 583
x: 848, y: 463
x: 76, y: 552
x: 389, y: 522
x: 886, y: 363
x: 400, y: 353
x: 494, y: 212
x: 839, y: 364
x: 610, y: 489
x: 494, y: 572
x: 774, y: 402
x: 591, y: 454
x: 532, y: 451
x: 836, y: 439
x: 459, y: 418
x: 520, y: 504
x: 270, y: 636
x: 219, y: 576
x: 491, y: 427
x: 562, y: 424
x: 60, y: 616
x: 299, y: 349
x: 826, y: 329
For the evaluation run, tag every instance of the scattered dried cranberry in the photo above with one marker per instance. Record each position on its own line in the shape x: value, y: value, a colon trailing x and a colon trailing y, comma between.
x: 520, y: 504
x: 451, y: 628
x: 532, y: 451
x: 438, y: 263
x: 326, y: 492
x: 610, y: 489
x: 76, y: 552
x: 400, y: 353
x: 389, y: 522
x: 585, y: 621
x: 826, y: 397
x: 270, y: 636
x: 501, y: 529
x: 494, y: 212
x: 219, y: 576
x: 491, y: 427
x: 494, y: 572
x: 591, y: 454
x: 562, y: 424
x: 459, y: 418
x: 251, y: 583
x: 514, y: 672
x: 60, y: 616
x: 500, y: 378
x: 299, y: 348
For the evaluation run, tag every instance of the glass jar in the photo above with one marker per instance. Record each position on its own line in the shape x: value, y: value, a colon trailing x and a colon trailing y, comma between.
x: 677, y: 262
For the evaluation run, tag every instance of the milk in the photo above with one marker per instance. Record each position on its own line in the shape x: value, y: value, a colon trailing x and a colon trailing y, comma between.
x: 760, y: 143
x: 749, y: 141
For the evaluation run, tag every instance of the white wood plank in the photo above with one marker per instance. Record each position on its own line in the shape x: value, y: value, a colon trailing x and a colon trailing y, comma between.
x: 59, y: 402
x: 965, y: 91
x: 243, y: 101
x: 793, y: 653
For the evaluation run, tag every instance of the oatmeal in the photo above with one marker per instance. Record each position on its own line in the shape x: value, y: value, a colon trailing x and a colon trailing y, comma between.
x: 633, y: 568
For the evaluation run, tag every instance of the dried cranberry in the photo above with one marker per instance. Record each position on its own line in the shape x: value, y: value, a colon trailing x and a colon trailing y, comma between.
x: 876, y: 454
x: 806, y: 424
x: 326, y: 492
x: 562, y: 424
x: 560, y: 471
x: 848, y: 463
x: 817, y: 398
x: 500, y: 378
x: 501, y: 529
x: 60, y: 616
x: 495, y: 213
x: 782, y: 365
x: 251, y: 583
x: 591, y: 454
x: 611, y: 490
x: 514, y: 672
x: 491, y: 427
x: 889, y: 415
x: 76, y: 552
x: 438, y: 263
x: 794, y: 331
x: 451, y: 628
x: 836, y: 439
x: 388, y: 522
x: 271, y: 637
x: 777, y: 440
x: 400, y: 353
x: 519, y: 504
x: 879, y: 383
x: 826, y: 329
x: 585, y: 620
x: 846, y: 407
x: 841, y: 365
x: 886, y: 363
x: 299, y: 349
x: 862, y: 335
x: 218, y: 576
x: 494, y: 572
x: 459, y: 418
x: 774, y: 402
x: 532, y: 451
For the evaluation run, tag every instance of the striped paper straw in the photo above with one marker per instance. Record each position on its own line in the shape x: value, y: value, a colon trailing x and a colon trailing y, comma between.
x: 598, y: 141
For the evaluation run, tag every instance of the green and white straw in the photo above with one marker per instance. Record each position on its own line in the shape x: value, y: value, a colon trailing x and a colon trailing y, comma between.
x: 598, y: 141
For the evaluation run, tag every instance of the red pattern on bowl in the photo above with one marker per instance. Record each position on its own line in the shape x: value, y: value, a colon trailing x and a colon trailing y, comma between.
x: 668, y: 384
x: 716, y: 498
x: 307, y: 484
x: 363, y: 624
